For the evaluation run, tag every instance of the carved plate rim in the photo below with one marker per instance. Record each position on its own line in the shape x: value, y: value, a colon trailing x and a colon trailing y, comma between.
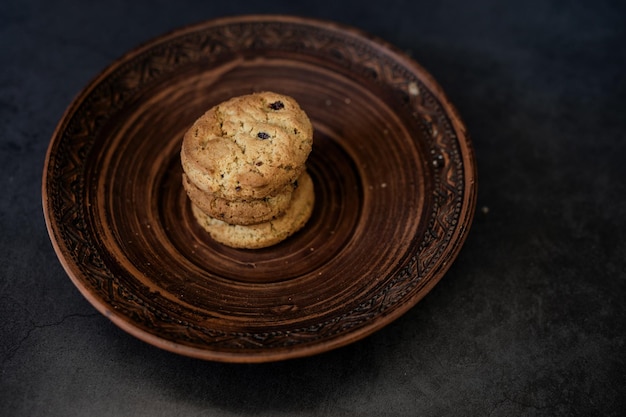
x: 65, y: 226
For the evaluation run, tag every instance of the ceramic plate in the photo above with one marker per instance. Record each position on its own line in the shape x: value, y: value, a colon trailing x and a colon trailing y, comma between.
x: 393, y: 169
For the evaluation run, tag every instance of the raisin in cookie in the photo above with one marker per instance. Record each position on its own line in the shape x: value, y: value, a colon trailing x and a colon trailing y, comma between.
x: 265, y: 234
x: 250, y: 146
x: 243, y: 211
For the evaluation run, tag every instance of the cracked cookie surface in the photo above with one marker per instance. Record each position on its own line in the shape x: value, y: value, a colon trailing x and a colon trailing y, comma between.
x: 248, y: 147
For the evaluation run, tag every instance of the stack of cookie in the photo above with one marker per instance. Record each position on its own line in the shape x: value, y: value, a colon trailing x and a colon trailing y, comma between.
x: 244, y: 170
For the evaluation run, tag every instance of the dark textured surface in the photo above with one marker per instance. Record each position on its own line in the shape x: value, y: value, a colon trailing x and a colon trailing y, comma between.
x: 531, y: 318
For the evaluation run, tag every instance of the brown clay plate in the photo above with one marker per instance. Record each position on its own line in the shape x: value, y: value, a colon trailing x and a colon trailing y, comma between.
x: 393, y: 168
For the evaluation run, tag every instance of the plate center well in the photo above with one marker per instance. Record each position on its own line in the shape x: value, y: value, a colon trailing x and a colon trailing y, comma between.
x: 338, y: 205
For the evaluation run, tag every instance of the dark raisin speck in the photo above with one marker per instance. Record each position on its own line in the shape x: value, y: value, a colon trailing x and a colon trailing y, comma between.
x: 263, y: 135
x: 237, y: 188
x: 277, y: 105
x: 258, y: 163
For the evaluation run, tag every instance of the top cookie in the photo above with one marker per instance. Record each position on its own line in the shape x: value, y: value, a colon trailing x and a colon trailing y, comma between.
x: 248, y: 147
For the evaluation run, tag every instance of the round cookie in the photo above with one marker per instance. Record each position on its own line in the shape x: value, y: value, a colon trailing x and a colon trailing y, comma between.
x: 242, y: 212
x: 265, y: 234
x: 248, y: 147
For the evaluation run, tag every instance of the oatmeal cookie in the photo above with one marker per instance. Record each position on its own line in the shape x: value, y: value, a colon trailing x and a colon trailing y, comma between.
x: 250, y: 146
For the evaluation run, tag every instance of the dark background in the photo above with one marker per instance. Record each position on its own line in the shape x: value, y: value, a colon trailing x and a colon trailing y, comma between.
x: 529, y: 321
